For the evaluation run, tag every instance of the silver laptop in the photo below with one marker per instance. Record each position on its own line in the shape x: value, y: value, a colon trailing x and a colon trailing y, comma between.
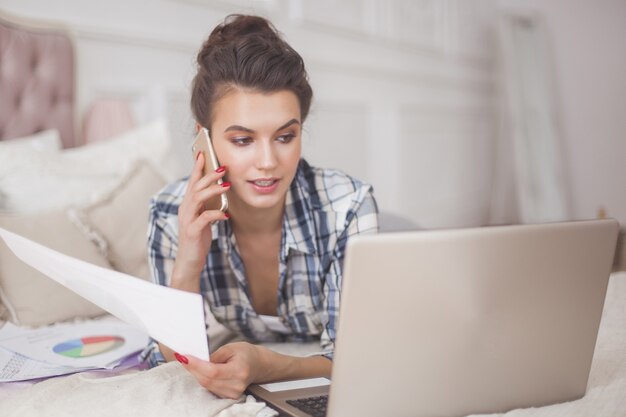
x: 456, y: 322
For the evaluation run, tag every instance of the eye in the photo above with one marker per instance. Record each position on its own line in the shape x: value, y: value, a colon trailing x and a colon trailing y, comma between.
x: 286, y: 138
x: 241, y: 140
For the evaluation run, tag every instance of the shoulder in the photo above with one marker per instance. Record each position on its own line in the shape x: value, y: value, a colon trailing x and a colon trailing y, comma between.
x: 168, y: 199
x: 164, y: 210
x: 328, y: 205
x: 332, y: 189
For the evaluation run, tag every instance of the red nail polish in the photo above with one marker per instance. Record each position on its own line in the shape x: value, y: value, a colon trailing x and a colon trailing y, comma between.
x: 221, y: 169
x: 180, y: 358
x: 225, y: 184
x: 227, y: 215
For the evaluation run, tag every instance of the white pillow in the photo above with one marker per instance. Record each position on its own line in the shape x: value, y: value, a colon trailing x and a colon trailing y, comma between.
x: 119, y: 222
x: 15, y: 152
x: 45, y: 181
x: 47, y: 140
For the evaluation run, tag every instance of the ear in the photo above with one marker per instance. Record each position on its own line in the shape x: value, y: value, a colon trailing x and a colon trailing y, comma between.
x: 198, y: 126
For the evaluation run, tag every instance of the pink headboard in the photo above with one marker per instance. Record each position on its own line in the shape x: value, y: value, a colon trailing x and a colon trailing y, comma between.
x: 37, y: 79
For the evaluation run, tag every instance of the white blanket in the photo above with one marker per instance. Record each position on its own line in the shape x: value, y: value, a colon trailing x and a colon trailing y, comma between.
x: 167, y: 390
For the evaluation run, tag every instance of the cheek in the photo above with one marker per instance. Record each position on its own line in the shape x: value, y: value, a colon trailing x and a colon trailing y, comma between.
x: 238, y: 163
x: 232, y: 157
x: 236, y: 166
x: 290, y: 155
x: 293, y: 161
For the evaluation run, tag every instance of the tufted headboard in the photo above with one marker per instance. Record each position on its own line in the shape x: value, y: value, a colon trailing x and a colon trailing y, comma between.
x: 37, y: 80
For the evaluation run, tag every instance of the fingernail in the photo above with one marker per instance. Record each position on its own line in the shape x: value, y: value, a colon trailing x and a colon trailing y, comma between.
x: 180, y: 358
x: 227, y: 215
x: 225, y: 184
x: 221, y: 169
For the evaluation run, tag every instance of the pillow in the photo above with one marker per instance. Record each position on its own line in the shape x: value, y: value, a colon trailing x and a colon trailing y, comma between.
x: 30, y: 297
x: 45, y: 141
x: 120, y: 220
x: 45, y: 181
x: 14, y: 151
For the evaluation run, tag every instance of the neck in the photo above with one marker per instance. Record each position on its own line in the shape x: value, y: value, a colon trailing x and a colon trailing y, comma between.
x: 249, y: 220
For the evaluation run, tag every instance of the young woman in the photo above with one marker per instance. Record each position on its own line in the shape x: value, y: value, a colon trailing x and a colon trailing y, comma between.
x: 270, y: 269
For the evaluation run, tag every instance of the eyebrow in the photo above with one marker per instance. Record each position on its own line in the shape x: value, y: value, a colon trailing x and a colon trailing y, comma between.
x: 245, y: 129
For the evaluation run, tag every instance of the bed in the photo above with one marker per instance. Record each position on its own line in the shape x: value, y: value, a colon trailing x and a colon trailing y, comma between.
x: 89, y: 201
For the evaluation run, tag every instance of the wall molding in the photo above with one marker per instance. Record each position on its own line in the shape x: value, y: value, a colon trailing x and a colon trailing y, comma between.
x: 227, y: 6
x: 139, y: 39
x: 480, y: 77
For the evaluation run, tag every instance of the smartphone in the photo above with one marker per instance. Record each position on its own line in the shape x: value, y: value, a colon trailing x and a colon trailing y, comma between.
x: 202, y: 143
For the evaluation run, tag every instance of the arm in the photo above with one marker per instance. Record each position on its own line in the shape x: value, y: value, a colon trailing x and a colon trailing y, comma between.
x: 235, y: 366
x: 194, y: 226
x: 177, y: 263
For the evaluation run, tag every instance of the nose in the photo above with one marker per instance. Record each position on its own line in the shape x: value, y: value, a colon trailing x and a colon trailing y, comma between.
x: 266, y: 156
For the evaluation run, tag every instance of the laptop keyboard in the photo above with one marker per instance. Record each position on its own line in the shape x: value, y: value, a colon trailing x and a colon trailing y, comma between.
x: 314, y: 406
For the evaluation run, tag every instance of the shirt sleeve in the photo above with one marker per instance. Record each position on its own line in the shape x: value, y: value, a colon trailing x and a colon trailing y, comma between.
x: 161, y: 255
x: 152, y: 355
x: 362, y: 217
x: 161, y: 248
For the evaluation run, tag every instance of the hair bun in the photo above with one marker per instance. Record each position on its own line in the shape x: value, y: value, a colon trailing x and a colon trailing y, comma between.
x: 246, y: 51
x: 236, y: 26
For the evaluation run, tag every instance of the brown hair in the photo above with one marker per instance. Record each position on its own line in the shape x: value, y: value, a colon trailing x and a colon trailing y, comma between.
x: 246, y: 52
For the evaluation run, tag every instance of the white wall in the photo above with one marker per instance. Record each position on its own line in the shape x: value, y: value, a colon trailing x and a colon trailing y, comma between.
x: 588, y: 42
x: 403, y: 89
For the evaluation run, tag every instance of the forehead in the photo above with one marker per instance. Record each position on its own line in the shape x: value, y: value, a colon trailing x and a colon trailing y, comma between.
x: 255, y: 110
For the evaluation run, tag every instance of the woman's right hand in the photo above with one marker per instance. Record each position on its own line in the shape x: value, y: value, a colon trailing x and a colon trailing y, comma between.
x: 194, y: 225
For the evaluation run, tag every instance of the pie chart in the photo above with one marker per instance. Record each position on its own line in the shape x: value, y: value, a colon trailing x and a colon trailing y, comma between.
x: 88, y: 346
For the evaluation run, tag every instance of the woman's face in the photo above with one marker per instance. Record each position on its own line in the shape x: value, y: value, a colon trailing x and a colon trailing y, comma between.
x: 258, y: 137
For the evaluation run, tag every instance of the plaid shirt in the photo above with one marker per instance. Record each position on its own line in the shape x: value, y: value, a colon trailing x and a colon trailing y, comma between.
x: 323, y: 209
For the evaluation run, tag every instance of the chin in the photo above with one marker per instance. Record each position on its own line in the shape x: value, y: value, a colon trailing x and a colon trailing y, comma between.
x: 264, y: 202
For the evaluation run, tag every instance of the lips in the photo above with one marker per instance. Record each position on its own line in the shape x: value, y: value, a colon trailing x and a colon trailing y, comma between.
x: 264, y: 185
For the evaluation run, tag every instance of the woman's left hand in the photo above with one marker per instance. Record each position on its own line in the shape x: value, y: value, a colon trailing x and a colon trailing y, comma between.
x: 230, y: 370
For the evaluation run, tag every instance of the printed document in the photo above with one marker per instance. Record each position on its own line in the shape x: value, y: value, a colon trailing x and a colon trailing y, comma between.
x: 173, y: 317
x: 66, y: 348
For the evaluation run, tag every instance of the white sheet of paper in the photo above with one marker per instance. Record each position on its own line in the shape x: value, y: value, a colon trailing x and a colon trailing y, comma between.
x: 93, y: 343
x: 173, y: 317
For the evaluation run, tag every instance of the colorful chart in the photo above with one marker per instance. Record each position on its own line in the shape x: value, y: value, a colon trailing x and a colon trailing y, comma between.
x: 88, y: 346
